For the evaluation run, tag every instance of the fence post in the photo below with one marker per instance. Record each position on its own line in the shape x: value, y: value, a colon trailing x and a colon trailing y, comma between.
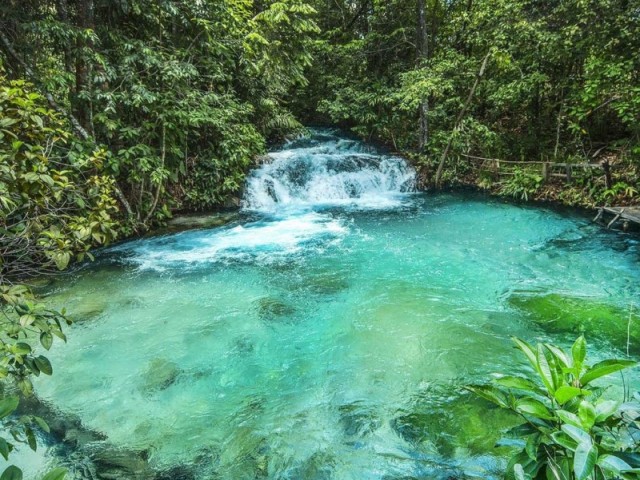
x: 607, y: 173
x: 545, y: 171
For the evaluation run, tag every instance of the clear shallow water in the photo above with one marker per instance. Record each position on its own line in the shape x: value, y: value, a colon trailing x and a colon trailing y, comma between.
x: 328, y: 336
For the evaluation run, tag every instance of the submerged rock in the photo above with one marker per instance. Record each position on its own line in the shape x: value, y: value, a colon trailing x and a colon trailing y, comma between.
x: 324, y: 283
x: 328, y: 283
x: 86, y: 453
x: 63, y: 427
x: 565, y: 314
x: 113, y: 463
x: 179, y: 472
x: 462, y: 424
x: 212, y: 220
x: 319, y: 466
x: 87, y: 311
x: 272, y: 309
x: 244, y: 345
x: 159, y: 375
x: 358, y: 420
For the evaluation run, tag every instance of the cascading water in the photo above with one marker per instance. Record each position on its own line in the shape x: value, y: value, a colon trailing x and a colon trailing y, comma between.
x: 326, y: 170
x: 291, y: 194
x: 328, y: 333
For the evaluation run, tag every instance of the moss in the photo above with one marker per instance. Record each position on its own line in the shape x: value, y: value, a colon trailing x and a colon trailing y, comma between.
x: 463, y: 422
x: 565, y: 314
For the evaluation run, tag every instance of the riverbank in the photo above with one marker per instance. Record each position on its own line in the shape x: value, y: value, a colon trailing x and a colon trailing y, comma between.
x: 578, y: 187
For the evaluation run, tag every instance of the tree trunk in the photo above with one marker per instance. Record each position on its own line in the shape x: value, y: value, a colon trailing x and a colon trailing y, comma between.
x: 422, y: 55
x: 63, y: 17
x: 461, y: 115
x: 82, y: 104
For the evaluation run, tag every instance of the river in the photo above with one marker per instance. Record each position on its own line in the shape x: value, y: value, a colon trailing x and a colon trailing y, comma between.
x: 328, y: 331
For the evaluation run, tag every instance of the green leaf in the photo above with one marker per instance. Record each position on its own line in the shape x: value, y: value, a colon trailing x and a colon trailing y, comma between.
x: 519, y: 474
x: 579, y: 353
x: 527, y: 350
x: 521, y: 431
x: 531, y: 406
x: 4, y: 448
x: 605, y: 409
x: 545, y: 369
x: 56, y: 474
x: 570, y: 418
x: 531, y: 447
x: 44, y: 364
x: 42, y: 424
x: 31, y: 438
x: 559, y: 354
x: 26, y: 320
x: 587, y: 414
x: 22, y: 348
x: 46, y: 339
x: 31, y: 365
x: 8, y: 405
x: 564, y: 440
x: 613, y: 464
x: 11, y: 473
x: 566, y: 393
x: 489, y: 393
x: 518, y: 383
x: 25, y: 385
x: 584, y: 460
x: 605, y: 367
x: 579, y: 435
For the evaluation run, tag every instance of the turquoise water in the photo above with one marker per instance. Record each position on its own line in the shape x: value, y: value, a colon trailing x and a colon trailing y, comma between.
x: 327, y: 335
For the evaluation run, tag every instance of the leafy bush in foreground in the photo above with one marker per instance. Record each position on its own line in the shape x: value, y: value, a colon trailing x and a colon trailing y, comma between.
x: 571, y: 431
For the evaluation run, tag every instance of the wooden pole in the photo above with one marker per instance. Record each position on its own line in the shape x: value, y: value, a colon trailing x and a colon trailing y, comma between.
x: 607, y: 173
x: 461, y: 115
x: 545, y: 171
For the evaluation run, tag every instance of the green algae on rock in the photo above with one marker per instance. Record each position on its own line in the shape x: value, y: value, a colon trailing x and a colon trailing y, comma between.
x: 567, y: 314
x: 460, y: 426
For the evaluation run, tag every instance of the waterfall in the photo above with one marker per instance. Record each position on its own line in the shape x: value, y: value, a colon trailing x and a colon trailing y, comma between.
x: 290, y: 194
x: 326, y: 170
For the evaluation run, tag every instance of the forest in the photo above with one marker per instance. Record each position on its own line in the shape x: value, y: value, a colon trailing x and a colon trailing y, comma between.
x: 118, y: 115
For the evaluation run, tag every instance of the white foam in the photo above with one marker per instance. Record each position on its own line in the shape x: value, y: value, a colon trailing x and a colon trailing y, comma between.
x: 310, y: 173
x: 335, y: 172
x: 258, y: 241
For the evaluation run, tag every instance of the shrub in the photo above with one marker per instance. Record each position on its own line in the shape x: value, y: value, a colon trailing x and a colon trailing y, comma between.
x: 572, y: 432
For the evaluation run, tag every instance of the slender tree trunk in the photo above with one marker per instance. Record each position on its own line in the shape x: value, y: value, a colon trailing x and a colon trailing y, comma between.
x: 422, y: 55
x: 459, y: 118
x: 161, y: 184
x: 63, y: 16
x: 83, y: 65
x: 461, y: 43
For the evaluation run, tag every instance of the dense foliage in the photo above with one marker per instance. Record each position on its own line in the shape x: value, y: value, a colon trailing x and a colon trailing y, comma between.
x: 561, y: 82
x: 55, y: 204
x: 572, y: 432
x: 55, y: 200
x: 182, y: 94
x: 114, y: 113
